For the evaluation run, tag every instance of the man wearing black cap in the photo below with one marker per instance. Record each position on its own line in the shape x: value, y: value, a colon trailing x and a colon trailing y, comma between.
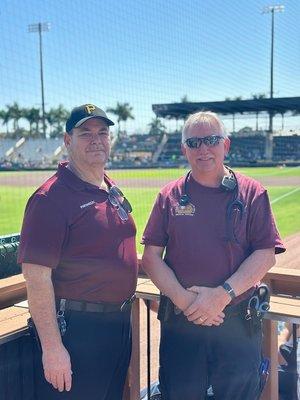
x: 78, y: 256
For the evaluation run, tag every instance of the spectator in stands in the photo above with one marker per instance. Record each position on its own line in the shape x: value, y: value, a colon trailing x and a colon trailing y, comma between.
x: 217, y: 234
x: 78, y: 255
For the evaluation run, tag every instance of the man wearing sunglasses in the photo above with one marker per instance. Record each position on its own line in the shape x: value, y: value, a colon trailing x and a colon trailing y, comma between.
x: 210, y: 239
x: 78, y: 256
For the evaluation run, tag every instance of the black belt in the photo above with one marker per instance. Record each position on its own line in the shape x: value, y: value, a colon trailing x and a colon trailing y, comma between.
x: 236, y: 309
x: 76, y: 305
x: 229, y: 311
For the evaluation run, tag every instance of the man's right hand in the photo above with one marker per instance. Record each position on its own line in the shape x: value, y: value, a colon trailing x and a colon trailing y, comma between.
x: 189, y: 297
x: 57, y: 368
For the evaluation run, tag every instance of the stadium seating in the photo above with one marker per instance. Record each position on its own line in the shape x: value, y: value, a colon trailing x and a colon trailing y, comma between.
x: 171, y: 154
x: 134, y: 150
x: 34, y: 153
x: 149, y: 150
x: 286, y: 148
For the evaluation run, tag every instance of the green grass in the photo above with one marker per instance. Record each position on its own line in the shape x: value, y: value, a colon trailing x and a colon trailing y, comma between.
x: 270, y: 171
x: 12, y: 204
x: 13, y: 201
x: 286, y: 210
x: 173, y: 173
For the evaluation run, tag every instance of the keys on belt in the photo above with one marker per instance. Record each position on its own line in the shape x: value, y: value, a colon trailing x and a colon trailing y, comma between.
x: 258, y: 305
x: 259, y: 302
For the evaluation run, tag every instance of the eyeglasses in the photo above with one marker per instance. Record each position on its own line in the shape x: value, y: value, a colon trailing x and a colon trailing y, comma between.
x: 119, y: 201
x: 209, y: 141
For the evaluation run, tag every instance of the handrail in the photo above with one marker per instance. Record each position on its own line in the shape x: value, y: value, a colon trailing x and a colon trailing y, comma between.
x: 12, y: 290
x: 281, y: 280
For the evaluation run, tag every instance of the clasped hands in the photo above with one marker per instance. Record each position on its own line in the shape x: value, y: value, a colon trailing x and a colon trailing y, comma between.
x: 204, y: 305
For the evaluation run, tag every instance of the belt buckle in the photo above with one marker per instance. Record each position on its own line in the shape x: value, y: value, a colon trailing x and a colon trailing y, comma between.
x: 127, y: 303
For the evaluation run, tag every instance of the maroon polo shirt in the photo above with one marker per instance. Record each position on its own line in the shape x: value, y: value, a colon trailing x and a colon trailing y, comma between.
x: 71, y: 227
x: 195, y: 237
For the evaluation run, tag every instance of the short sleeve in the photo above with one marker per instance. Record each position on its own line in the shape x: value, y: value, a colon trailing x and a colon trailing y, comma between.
x: 155, y: 233
x: 263, y: 230
x: 43, y: 232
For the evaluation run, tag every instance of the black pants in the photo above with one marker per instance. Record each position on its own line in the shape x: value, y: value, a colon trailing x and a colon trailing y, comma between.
x: 192, y: 357
x: 100, y: 346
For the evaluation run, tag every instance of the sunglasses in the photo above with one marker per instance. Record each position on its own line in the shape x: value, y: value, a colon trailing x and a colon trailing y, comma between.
x: 119, y: 201
x: 209, y: 141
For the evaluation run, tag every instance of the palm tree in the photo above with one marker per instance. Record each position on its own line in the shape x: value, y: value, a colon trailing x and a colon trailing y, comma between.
x: 184, y: 99
x: 4, y: 116
x: 15, y: 113
x: 258, y: 96
x: 56, y: 118
x: 156, y: 127
x: 123, y: 112
x: 32, y: 115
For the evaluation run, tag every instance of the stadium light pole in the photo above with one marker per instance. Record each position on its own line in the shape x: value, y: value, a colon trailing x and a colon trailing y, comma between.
x: 267, y: 10
x: 41, y: 27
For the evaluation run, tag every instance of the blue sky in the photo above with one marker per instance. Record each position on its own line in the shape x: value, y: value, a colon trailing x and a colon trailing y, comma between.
x: 146, y: 52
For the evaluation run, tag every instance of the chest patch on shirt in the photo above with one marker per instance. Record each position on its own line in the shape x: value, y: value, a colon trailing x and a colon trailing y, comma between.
x: 188, y: 210
x: 87, y: 204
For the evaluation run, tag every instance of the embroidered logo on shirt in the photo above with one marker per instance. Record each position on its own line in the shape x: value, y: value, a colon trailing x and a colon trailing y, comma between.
x: 87, y: 204
x: 189, y: 210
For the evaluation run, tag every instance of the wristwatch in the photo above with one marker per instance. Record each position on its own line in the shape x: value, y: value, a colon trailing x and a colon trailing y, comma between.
x: 229, y: 290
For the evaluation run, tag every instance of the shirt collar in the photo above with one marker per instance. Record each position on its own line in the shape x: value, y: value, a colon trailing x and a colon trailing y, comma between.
x: 74, y: 182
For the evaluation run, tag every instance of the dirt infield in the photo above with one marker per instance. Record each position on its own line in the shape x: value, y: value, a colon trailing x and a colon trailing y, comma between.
x: 28, y: 179
x: 291, y: 258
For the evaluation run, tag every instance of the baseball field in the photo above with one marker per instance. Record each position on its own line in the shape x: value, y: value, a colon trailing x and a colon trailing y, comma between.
x: 141, y: 187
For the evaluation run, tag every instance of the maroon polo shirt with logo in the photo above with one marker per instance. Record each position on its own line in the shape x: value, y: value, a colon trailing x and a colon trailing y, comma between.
x: 71, y: 227
x: 196, y: 236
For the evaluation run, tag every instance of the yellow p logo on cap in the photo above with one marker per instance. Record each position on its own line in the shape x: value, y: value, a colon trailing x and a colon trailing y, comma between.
x: 90, y: 108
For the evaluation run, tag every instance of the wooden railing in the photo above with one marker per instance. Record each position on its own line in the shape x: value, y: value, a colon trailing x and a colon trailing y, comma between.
x: 285, y: 306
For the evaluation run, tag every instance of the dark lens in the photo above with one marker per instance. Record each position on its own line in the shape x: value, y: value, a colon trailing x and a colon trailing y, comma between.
x: 122, y: 213
x: 212, y: 140
x: 113, y: 200
x: 126, y: 205
x: 193, y: 142
x: 115, y: 191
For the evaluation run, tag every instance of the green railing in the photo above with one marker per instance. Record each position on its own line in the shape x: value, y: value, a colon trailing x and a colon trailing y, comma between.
x: 8, y: 255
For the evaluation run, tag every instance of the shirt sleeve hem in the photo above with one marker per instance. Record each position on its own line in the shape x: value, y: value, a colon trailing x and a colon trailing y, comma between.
x: 278, y: 248
x: 36, y: 262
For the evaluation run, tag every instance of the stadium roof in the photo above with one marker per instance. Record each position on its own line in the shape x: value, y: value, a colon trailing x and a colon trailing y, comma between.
x: 278, y: 105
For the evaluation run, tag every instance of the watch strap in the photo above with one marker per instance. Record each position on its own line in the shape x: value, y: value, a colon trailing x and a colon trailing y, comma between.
x: 229, y: 290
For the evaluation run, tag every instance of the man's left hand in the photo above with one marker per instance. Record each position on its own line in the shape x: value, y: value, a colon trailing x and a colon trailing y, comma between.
x: 208, y: 305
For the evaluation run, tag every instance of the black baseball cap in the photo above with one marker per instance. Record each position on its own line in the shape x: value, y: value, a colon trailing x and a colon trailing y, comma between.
x: 82, y: 113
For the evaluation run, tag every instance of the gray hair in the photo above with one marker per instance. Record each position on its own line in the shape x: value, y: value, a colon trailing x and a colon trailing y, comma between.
x: 208, y: 118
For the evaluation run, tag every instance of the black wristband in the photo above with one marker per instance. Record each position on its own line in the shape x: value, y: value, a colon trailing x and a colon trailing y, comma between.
x: 229, y: 290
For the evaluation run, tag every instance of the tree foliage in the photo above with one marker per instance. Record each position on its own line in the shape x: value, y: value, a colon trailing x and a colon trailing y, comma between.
x: 123, y: 111
x: 12, y: 114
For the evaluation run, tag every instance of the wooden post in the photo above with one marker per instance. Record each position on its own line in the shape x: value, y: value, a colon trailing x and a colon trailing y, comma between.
x: 270, y: 349
x: 134, y: 368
